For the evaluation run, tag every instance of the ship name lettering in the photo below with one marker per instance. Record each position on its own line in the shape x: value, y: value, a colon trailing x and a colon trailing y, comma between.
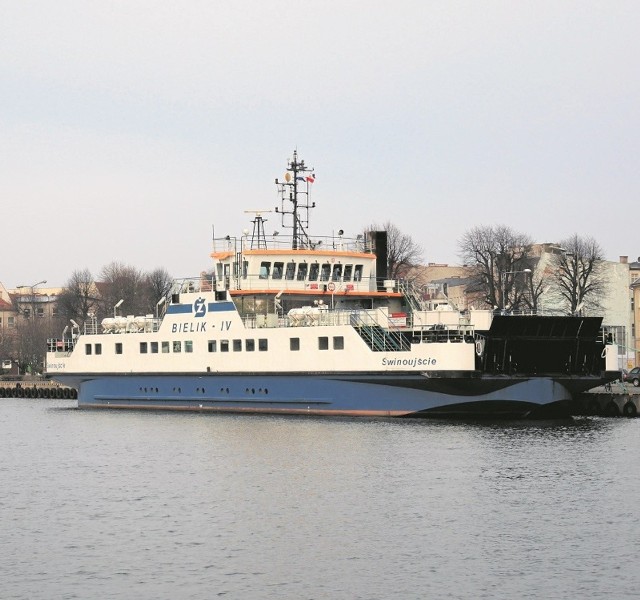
x: 188, y: 327
x: 408, y: 362
x: 225, y: 325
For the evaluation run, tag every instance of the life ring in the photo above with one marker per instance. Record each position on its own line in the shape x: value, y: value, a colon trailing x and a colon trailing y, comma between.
x: 479, y: 347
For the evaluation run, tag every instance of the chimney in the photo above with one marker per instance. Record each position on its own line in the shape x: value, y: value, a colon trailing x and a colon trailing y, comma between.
x: 624, y: 260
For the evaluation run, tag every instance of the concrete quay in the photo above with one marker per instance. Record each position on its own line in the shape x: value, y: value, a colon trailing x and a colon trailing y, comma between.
x: 617, y: 400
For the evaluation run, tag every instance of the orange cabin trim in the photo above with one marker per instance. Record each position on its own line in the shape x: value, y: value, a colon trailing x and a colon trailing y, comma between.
x: 221, y: 255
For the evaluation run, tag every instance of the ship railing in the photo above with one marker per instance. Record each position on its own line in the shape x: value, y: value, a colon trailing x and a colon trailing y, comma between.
x: 285, y: 242
x: 323, y: 315
x: 326, y: 287
x: 186, y: 285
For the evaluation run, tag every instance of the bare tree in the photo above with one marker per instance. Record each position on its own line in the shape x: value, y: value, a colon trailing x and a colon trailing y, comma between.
x: 580, y: 275
x: 501, y: 265
x: 158, y: 283
x: 31, y: 343
x: 79, y: 298
x: 126, y: 283
x: 402, y: 251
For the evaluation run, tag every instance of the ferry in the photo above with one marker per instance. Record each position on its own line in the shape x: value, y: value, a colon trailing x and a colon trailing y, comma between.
x: 304, y: 325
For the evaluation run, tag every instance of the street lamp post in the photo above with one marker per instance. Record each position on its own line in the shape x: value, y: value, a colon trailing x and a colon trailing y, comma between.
x: 503, y: 279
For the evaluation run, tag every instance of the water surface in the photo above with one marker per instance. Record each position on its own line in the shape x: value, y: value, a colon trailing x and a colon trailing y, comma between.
x: 108, y: 504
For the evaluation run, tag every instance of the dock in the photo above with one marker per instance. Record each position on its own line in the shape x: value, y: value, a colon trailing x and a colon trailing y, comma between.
x: 614, y: 400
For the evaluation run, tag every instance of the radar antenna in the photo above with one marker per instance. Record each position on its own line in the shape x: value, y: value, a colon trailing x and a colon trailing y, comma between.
x: 295, y: 189
x: 258, y: 238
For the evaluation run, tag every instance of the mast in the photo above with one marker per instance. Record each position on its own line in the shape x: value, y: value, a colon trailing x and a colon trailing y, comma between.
x: 295, y: 189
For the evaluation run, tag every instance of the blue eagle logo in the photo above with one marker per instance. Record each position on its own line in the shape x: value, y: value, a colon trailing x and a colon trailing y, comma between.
x: 199, y: 308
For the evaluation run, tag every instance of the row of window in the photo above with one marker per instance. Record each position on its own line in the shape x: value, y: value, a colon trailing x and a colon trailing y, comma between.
x: 310, y: 271
x: 39, y: 312
x: 165, y: 347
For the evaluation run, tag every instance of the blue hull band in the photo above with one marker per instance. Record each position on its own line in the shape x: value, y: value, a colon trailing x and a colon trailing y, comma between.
x: 401, y: 396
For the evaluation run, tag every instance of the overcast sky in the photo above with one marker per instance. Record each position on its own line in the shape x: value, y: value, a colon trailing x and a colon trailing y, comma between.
x: 129, y: 129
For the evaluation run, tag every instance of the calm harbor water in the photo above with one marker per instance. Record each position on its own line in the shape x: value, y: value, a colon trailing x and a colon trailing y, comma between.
x: 161, y: 505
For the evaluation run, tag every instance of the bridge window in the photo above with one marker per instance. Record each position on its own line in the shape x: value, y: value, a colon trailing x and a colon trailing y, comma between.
x: 154, y: 347
x: 357, y: 274
x: 118, y: 347
x: 87, y: 349
x: 143, y: 347
x: 237, y: 345
x: 177, y: 346
x: 277, y: 270
x: 314, y: 269
x: 337, y: 272
x: 303, y: 269
x: 291, y: 269
x: 188, y: 346
x: 224, y: 345
x: 212, y: 345
x: 165, y: 347
x: 263, y: 344
x: 326, y: 271
x: 323, y: 343
x: 265, y: 268
x: 348, y: 269
x: 249, y: 345
x: 338, y: 342
x: 98, y: 349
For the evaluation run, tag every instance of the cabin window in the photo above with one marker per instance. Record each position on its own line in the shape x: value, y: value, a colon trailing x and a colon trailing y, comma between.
x: 277, y: 270
x: 188, y: 346
x: 154, y: 347
x: 348, y: 269
x: 303, y: 269
x: 313, y: 272
x: 143, y: 347
x: 219, y: 267
x: 263, y: 344
x: 326, y: 271
x: 54, y: 311
x: 212, y: 345
x: 11, y: 321
x: 27, y: 313
x: 250, y: 345
x: 98, y: 349
x: 39, y: 311
x: 337, y: 272
x: 118, y: 347
x: 165, y: 347
x: 237, y: 345
x: 323, y: 343
x: 177, y: 346
x: 265, y: 268
x: 357, y: 274
x: 290, y: 272
x: 224, y: 345
x: 294, y: 344
x: 245, y: 268
x: 87, y: 348
x: 338, y: 342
